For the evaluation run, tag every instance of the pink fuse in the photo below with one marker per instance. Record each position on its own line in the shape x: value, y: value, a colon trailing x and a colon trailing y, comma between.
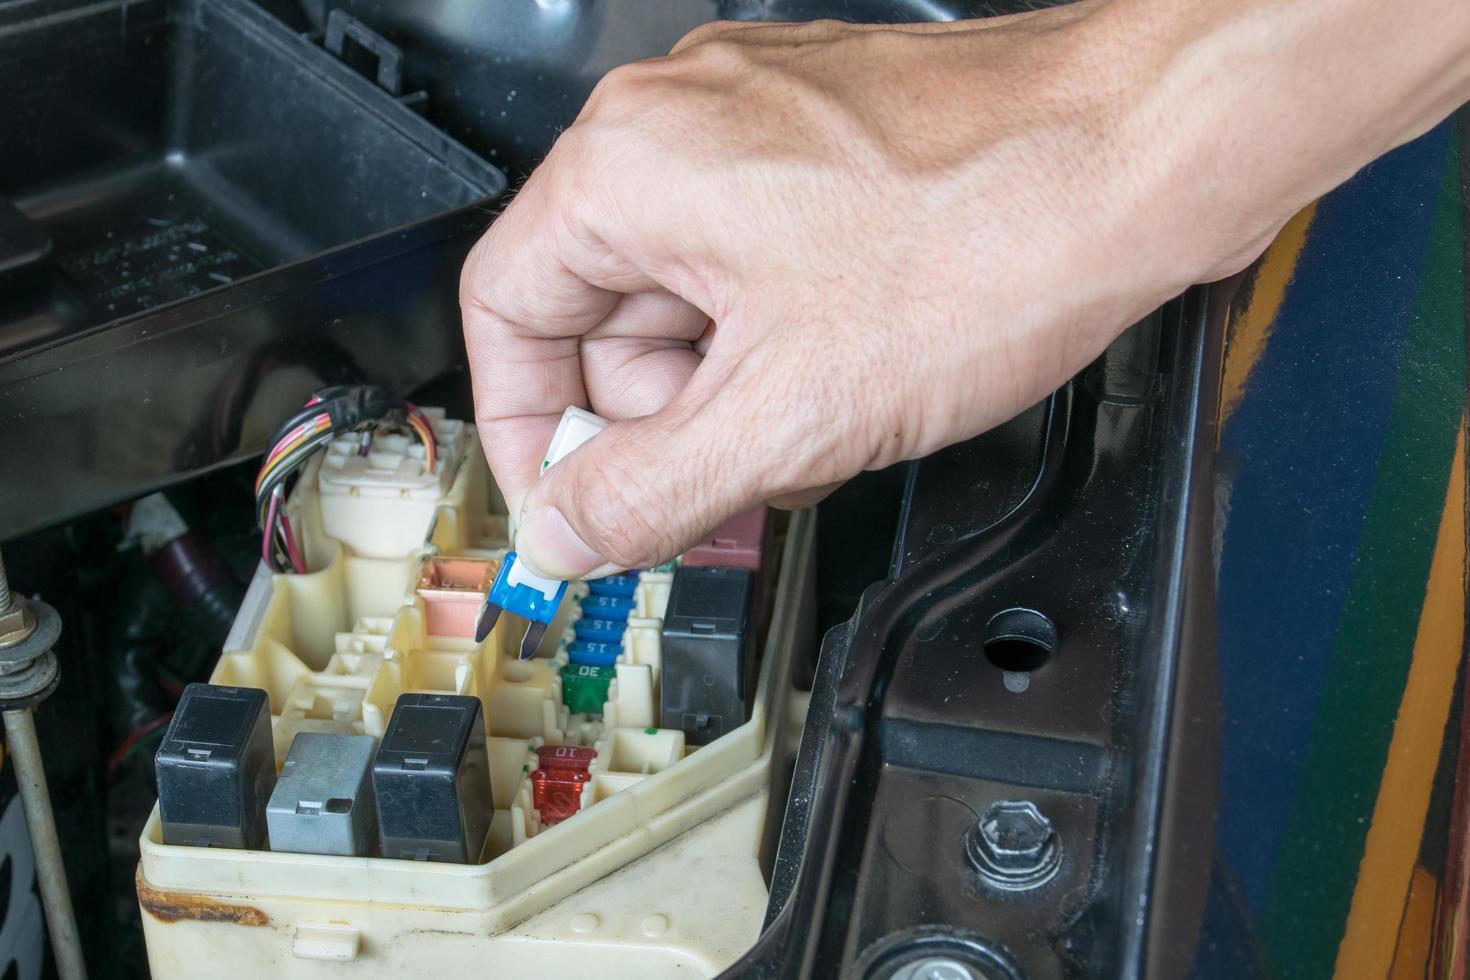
x: 740, y: 542
x: 556, y: 785
x: 453, y: 590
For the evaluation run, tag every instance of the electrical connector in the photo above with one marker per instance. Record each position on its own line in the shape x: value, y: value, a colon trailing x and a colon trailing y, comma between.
x: 381, y: 502
x: 575, y: 428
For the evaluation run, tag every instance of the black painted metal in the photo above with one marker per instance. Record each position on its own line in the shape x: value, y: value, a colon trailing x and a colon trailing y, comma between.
x: 919, y: 732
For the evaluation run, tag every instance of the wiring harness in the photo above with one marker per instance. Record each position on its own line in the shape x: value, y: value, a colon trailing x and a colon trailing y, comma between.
x: 330, y: 413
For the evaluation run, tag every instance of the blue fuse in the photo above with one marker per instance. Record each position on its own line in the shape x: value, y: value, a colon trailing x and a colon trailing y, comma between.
x: 623, y: 586
x: 599, y: 630
x: 583, y: 652
x: 527, y: 595
x: 518, y: 589
x: 607, y: 607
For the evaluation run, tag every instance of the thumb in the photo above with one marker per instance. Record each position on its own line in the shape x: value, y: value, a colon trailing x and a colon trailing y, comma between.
x: 641, y: 492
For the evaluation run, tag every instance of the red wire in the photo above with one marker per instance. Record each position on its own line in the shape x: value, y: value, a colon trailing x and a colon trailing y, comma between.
x: 292, y: 551
x: 270, y: 529
x: 134, y: 737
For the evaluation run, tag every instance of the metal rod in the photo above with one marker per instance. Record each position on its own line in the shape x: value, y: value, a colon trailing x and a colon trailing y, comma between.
x: 61, y: 922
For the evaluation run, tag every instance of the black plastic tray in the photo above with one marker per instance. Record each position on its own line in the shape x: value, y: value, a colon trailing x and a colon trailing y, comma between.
x: 172, y: 164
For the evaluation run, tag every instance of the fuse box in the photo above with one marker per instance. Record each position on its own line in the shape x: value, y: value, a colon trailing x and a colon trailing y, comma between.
x: 595, y: 811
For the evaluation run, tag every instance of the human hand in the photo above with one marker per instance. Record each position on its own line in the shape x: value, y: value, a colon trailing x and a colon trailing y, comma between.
x: 786, y: 254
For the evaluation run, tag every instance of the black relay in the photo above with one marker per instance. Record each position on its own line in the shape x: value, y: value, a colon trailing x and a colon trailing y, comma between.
x: 216, y: 768
x: 708, y: 653
x: 432, y: 780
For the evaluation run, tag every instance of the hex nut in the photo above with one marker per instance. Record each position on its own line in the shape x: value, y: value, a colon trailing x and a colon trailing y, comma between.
x: 16, y: 623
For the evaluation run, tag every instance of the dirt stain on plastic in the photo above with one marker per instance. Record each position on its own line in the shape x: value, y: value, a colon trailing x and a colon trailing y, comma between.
x: 183, y: 907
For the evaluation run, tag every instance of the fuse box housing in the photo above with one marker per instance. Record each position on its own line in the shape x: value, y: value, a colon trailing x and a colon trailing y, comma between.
x: 605, y: 890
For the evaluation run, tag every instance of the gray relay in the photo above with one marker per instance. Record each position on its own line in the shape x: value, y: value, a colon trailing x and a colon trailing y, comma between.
x: 323, y: 801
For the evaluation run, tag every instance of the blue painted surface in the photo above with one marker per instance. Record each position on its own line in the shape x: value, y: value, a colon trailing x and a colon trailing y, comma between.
x: 1300, y: 456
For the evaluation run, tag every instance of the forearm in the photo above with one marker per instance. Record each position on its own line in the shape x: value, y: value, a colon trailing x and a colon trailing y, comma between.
x: 788, y: 253
x: 1257, y: 108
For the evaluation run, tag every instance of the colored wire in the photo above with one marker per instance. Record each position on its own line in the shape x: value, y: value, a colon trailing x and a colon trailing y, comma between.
x: 326, y: 416
x: 293, y: 552
x: 137, y: 738
x: 424, y: 429
x: 267, y: 536
x: 293, y: 440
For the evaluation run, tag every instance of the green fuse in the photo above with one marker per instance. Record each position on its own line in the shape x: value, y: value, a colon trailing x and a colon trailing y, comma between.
x: 584, y: 687
x: 667, y: 566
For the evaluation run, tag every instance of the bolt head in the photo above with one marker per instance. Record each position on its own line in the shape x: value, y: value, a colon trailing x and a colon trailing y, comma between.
x: 1014, y: 845
x: 935, y: 968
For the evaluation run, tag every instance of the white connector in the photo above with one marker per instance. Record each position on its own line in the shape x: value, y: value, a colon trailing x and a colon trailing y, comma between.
x: 380, y: 503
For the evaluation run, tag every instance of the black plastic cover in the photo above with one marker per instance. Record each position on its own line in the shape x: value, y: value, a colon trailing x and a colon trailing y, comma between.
x: 216, y: 768
x: 432, y: 780
x: 209, y: 216
x: 708, y: 653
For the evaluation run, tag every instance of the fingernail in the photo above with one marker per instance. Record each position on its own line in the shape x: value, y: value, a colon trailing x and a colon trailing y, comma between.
x: 549, y: 547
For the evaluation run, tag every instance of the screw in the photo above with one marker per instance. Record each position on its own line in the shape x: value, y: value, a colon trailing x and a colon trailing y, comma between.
x: 4, y: 590
x: 935, y: 968
x: 1014, y: 846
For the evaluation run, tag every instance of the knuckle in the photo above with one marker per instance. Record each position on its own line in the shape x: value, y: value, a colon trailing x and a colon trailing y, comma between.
x: 720, y: 56
x: 469, y: 274
x: 619, y: 517
x: 703, y: 34
x: 621, y: 89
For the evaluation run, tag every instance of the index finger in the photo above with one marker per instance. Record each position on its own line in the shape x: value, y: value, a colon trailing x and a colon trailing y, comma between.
x: 524, y: 309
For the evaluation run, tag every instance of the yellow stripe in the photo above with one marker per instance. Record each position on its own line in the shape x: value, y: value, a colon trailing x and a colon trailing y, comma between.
x: 1416, y: 934
x: 1250, y: 328
x: 1392, y: 847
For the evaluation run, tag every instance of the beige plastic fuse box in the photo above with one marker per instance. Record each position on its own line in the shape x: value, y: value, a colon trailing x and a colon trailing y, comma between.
x: 659, y: 873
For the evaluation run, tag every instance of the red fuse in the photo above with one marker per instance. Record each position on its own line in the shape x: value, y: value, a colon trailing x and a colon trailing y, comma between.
x: 556, y: 785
